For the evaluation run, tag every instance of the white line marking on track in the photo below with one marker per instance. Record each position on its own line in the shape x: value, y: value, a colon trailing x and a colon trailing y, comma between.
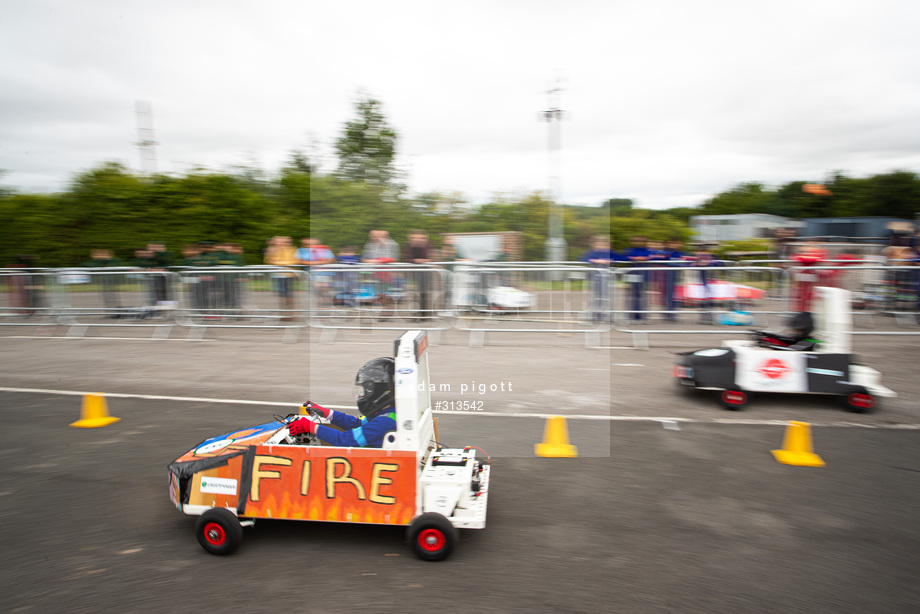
x: 105, y: 338
x: 492, y: 414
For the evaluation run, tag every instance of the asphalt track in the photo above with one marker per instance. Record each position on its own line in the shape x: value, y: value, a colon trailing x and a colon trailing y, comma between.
x: 672, y: 505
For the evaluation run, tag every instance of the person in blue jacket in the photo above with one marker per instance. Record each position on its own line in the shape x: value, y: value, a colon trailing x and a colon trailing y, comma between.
x: 675, y: 258
x: 376, y: 400
x: 705, y: 258
x: 601, y: 256
x: 639, y: 254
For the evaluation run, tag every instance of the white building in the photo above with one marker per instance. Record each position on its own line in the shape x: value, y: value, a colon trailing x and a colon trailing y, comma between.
x: 718, y: 228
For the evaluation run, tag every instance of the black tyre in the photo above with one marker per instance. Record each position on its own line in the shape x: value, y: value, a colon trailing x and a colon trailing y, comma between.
x: 219, y: 531
x: 733, y: 398
x: 432, y: 537
x: 859, y: 401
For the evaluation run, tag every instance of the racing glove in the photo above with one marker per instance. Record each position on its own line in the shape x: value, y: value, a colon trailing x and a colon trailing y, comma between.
x: 318, y: 410
x: 302, y: 426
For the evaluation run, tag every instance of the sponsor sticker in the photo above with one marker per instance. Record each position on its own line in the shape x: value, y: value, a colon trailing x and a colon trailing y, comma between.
x: 218, y: 486
x: 826, y: 372
x: 214, y: 446
x: 711, y: 353
x: 405, y: 371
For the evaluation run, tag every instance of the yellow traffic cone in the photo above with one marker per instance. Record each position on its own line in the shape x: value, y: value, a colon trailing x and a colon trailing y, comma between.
x: 556, y: 440
x: 95, y: 412
x: 797, y: 448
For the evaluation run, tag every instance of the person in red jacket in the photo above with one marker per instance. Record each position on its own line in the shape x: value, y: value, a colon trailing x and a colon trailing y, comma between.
x: 809, y: 255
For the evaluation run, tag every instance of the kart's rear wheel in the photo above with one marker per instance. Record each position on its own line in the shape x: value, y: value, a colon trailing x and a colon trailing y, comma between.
x: 733, y: 398
x: 432, y: 537
x: 219, y: 531
x: 859, y: 401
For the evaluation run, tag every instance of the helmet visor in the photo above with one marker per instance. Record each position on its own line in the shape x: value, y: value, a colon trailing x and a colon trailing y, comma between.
x: 359, y: 392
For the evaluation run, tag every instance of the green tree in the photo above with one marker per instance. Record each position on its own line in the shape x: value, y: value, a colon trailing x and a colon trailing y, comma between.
x: 895, y: 194
x: 743, y: 198
x: 618, y: 205
x: 367, y: 147
x: 655, y: 225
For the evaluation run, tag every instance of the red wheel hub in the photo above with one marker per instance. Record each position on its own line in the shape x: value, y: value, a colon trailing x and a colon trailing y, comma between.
x: 734, y: 397
x: 215, y: 534
x: 431, y: 540
x: 858, y: 399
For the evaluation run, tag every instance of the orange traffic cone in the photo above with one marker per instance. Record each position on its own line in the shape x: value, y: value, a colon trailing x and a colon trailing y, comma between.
x: 797, y: 448
x: 95, y: 412
x: 556, y: 440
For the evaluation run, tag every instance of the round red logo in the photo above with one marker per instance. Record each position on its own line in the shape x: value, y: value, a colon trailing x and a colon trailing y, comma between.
x: 774, y: 368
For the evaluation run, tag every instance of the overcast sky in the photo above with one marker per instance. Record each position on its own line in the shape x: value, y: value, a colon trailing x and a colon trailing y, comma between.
x: 669, y: 102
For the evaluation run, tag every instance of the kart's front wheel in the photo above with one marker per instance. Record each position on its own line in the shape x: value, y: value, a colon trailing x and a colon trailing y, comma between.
x: 733, y: 398
x: 219, y: 531
x: 432, y: 537
x: 859, y: 400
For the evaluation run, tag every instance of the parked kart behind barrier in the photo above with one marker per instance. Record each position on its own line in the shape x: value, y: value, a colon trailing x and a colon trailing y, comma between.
x: 716, y: 291
x: 488, y: 291
x: 232, y: 480
x: 815, y: 358
x: 374, y: 299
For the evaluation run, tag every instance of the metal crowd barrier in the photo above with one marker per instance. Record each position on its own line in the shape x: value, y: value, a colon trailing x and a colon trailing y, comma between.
x: 878, y: 287
x: 82, y: 297
x: 660, y: 299
x: 389, y: 296
x: 879, y: 292
x: 505, y: 297
x: 25, y: 296
x: 267, y: 297
x: 477, y: 298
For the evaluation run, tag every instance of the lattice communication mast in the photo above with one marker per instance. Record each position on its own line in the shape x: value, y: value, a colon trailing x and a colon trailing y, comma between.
x: 145, y: 141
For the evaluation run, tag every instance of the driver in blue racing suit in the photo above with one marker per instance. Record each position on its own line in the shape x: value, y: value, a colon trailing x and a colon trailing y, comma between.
x: 375, y: 397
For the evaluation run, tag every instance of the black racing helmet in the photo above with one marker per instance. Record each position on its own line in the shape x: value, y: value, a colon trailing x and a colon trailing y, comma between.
x: 803, y: 324
x: 374, y: 389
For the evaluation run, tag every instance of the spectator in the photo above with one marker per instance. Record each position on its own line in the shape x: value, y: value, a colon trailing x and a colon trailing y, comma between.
x: 657, y: 258
x: 194, y: 257
x: 229, y: 282
x: 347, y: 280
x: 915, y: 262
x: 638, y: 255
x: 281, y: 253
x: 108, y: 282
x: 418, y: 253
x: 783, y: 248
x: 156, y: 261
x: 807, y: 256
x: 349, y: 255
x: 312, y: 253
x: 676, y: 258
x: 704, y: 258
x: 899, y: 253
x: 600, y: 256
x: 380, y: 248
x: 28, y: 288
x: 449, y: 256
